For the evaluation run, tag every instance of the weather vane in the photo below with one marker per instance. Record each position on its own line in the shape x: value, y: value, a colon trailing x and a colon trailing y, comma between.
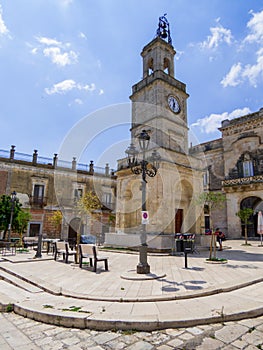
x: 163, y: 30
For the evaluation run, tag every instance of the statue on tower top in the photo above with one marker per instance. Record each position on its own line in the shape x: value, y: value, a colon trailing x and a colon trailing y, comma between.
x: 163, y: 30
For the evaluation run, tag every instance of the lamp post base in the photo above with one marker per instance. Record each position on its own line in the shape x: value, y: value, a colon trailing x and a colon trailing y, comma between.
x: 143, y: 267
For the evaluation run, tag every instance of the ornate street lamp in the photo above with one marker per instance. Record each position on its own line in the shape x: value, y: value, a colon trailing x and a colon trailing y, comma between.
x: 144, y: 167
x: 13, y: 200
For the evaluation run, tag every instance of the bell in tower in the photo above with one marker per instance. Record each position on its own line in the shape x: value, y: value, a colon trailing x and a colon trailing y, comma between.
x: 163, y: 30
x: 159, y: 54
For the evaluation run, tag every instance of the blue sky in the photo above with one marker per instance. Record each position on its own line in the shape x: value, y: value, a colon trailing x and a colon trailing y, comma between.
x: 62, y: 60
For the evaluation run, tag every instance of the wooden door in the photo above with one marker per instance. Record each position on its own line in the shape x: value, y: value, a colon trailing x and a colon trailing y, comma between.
x: 178, y: 221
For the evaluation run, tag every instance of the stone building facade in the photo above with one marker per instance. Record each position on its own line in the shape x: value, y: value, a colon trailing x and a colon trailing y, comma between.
x: 235, y: 167
x: 45, y: 185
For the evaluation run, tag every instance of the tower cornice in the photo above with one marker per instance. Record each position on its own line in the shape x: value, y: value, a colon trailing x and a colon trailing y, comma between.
x: 158, y: 75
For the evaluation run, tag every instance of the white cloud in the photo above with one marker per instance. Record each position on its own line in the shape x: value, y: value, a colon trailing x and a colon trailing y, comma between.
x: 59, y: 58
x: 68, y: 85
x: 251, y: 72
x: 233, y: 77
x: 58, y: 52
x: 78, y: 101
x: 254, y: 72
x: 211, y: 123
x: 219, y: 35
x: 255, y: 26
x: 101, y: 92
x: 3, y: 27
x: 34, y: 50
x: 48, y: 41
x: 66, y: 2
x: 82, y: 35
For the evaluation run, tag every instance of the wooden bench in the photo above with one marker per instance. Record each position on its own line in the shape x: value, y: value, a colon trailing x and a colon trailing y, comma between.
x: 63, y: 248
x: 30, y: 241
x: 85, y: 252
x: 90, y: 251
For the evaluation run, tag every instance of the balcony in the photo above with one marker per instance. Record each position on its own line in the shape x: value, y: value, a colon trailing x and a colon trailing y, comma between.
x: 250, y: 180
x: 37, y: 202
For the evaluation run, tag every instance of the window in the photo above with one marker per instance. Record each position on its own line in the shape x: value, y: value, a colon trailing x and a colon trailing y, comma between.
x: 206, y: 178
x: 107, y: 198
x: 248, y: 168
x: 78, y: 193
x: 34, y: 229
x: 38, y: 194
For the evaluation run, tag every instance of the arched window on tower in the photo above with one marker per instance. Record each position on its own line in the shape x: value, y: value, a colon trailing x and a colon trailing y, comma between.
x: 166, y: 65
x: 150, y: 66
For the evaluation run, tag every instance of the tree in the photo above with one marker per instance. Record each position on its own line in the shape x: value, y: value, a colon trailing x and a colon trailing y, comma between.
x: 21, y: 222
x: 56, y: 219
x: 244, y: 215
x: 213, y: 200
x: 5, y: 213
x: 89, y: 203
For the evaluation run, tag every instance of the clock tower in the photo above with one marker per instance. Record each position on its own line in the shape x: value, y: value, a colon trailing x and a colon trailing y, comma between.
x: 159, y: 100
x: 159, y: 110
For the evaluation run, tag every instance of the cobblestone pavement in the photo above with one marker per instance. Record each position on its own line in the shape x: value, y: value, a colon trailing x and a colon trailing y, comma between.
x: 20, y: 333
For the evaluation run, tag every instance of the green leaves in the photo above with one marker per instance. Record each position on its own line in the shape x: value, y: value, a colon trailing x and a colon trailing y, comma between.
x: 244, y: 214
x: 89, y: 202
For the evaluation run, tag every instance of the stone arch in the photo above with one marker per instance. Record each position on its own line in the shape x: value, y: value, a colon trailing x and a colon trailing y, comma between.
x: 183, y: 208
x: 75, y: 227
x: 150, y: 66
x: 166, y: 65
x: 256, y: 204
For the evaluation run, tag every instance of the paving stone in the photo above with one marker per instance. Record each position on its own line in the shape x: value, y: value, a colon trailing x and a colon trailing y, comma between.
x: 254, y: 338
x: 116, y: 344
x: 175, y: 343
x: 129, y: 338
x: 195, y: 330
x: 53, y: 331
x: 140, y: 345
x: 230, y: 333
x: 252, y: 322
x: 63, y: 335
x: 240, y: 344
x: 35, y: 336
x: 158, y: 338
x: 165, y: 347
x: 186, y: 336
x: 5, y: 346
x: 54, y: 345
x: 260, y: 327
x: 174, y: 332
x: 70, y: 341
x: 16, y: 338
x: 28, y: 347
x: 43, y: 341
x: 251, y: 347
x: 211, y: 344
x: 104, y: 337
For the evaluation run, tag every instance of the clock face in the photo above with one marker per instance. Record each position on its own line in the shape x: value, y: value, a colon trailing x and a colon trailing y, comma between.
x: 173, y: 104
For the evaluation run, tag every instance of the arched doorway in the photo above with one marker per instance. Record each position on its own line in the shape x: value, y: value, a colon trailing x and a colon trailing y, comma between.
x: 254, y: 203
x: 75, y: 226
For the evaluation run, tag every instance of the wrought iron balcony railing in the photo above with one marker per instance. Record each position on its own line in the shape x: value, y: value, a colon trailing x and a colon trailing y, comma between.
x: 38, y: 202
x: 243, y: 181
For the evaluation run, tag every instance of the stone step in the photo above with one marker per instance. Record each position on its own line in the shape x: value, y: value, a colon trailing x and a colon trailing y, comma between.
x: 18, y: 282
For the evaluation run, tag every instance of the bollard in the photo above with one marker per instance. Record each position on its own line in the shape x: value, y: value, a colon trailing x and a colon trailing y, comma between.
x: 186, y: 251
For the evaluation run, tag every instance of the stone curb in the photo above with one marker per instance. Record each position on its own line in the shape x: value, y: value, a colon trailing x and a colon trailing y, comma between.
x: 97, y: 322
